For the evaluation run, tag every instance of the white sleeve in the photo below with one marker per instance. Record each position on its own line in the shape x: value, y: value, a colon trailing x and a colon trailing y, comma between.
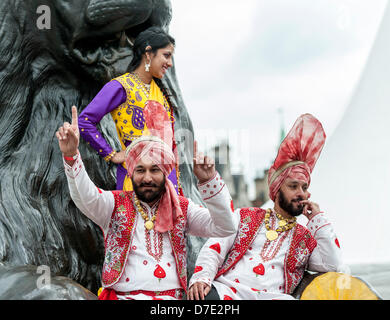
x: 95, y: 203
x: 217, y: 220
x: 326, y: 256
x: 211, y: 257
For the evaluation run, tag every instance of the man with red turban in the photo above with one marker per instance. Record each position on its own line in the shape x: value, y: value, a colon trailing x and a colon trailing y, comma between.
x: 267, y: 256
x: 145, y: 229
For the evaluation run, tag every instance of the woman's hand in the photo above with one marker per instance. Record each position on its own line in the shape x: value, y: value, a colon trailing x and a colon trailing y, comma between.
x: 119, y: 157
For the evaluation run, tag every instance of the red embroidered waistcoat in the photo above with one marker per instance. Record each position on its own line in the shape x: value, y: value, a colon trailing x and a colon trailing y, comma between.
x: 301, y: 247
x: 120, y: 235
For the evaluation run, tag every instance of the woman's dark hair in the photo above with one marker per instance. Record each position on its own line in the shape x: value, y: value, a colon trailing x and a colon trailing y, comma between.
x: 155, y: 37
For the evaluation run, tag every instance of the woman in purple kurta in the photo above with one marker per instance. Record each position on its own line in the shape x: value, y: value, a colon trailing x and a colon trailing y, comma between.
x: 109, y: 98
x: 124, y: 97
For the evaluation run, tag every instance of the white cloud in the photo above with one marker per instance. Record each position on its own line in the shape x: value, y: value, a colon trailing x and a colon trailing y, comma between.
x: 237, y: 64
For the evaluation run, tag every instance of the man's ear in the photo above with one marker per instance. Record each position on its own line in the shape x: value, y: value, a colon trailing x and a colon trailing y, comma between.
x: 277, y: 196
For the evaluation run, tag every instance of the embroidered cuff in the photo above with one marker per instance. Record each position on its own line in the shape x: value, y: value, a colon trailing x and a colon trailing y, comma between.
x: 74, y: 170
x: 317, y: 222
x: 212, y: 187
x: 202, y: 279
x: 95, y: 140
x: 110, y: 156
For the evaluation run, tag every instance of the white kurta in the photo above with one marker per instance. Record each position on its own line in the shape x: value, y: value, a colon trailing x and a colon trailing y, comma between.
x: 259, y: 274
x: 142, y: 270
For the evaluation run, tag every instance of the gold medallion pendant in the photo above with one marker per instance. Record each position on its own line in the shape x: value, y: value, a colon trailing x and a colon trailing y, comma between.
x: 149, y: 225
x: 271, y: 235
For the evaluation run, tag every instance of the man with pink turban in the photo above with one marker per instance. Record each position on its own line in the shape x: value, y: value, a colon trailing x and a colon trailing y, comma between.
x: 145, y: 229
x: 267, y: 256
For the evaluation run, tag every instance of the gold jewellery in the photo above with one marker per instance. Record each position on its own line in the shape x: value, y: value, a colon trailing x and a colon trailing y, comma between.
x: 110, y: 156
x: 284, y: 225
x: 144, y: 88
x: 157, y: 236
x: 149, y: 223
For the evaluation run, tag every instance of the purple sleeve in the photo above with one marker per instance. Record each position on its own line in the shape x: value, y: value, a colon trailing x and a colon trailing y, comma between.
x: 109, y: 97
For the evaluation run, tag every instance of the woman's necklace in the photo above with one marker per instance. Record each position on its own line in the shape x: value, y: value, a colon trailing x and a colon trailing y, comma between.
x: 144, y: 89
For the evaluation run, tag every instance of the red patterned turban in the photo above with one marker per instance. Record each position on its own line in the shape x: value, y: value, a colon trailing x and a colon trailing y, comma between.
x: 298, y: 153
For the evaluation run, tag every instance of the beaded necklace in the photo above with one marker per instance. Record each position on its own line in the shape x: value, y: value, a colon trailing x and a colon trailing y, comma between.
x: 271, y: 248
x: 149, y: 223
x: 141, y: 84
x: 157, y: 236
x: 284, y: 225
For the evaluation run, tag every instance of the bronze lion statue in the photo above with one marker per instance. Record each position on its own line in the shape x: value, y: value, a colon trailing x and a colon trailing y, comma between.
x: 43, y: 72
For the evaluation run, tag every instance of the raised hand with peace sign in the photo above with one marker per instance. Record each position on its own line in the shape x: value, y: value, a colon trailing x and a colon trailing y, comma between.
x: 204, y: 166
x: 68, y: 136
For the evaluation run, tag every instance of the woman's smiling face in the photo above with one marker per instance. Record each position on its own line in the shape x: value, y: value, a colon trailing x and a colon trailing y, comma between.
x: 161, y: 61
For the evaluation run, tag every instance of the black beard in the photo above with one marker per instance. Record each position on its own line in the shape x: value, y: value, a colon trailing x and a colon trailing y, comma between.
x: 149, y: 196
x: 288, y: 206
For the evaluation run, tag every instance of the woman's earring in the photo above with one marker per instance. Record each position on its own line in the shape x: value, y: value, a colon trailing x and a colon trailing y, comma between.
x: 147, y: 66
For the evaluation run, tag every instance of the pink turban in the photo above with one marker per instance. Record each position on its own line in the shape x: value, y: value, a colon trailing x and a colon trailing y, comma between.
x: 298, y: 153
x: 158, y: 148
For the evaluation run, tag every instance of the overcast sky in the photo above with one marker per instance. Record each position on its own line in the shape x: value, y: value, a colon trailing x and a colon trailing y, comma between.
x: 239, y: 63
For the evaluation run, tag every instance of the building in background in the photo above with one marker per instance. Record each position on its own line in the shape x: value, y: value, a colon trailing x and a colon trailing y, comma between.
x: 261, y: 179
x: 261, y: 189
x: 241, y: 196
x: 235, y: 182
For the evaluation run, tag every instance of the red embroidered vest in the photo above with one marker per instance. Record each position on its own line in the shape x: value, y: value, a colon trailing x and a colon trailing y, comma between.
x: 120, y: 235
x: 301, y: 247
